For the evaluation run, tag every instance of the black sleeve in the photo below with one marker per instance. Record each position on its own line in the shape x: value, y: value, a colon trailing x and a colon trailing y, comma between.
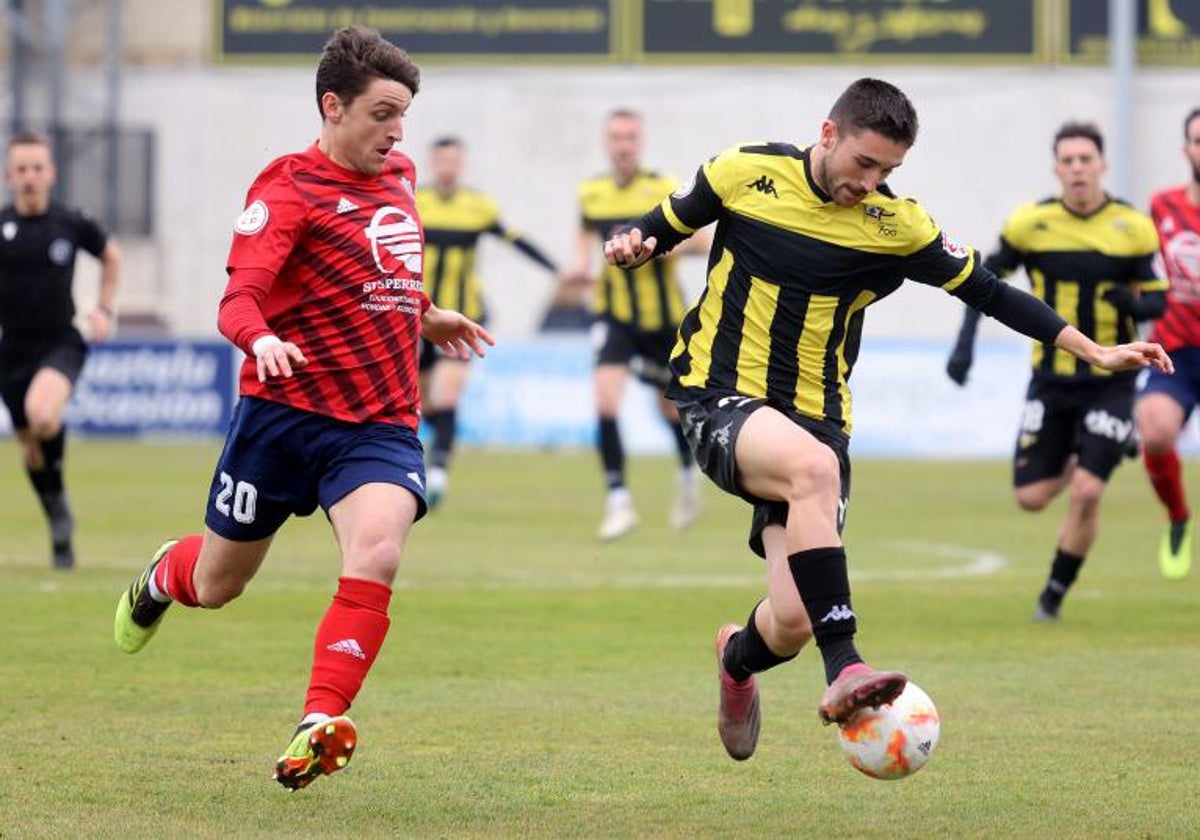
x: 694, y: 207
x: 523, y: 245
x: 1004, y: 260
x: 1014, y: 308
x: 92, y: 237
x: 970, y: 325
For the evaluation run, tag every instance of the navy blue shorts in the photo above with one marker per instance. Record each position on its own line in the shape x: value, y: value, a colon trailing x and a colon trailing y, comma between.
x: 1183, y: 386
x: 280, y: 461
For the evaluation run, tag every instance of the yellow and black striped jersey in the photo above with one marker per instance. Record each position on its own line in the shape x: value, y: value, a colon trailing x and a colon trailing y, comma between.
x: 453, y: 225
x: 790, y: 275
x: 1072, y: 261
x: 648, y: 297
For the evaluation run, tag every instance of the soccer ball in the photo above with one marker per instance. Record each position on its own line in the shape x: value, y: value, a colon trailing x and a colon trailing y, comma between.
x: 895, y: 740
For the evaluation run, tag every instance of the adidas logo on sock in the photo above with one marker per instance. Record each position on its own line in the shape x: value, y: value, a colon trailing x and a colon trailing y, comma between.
x: 345, y: 205
x: 349, y: 647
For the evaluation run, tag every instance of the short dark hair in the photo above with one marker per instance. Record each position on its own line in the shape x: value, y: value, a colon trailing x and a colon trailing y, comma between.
x: 354, y: 56
x: 447, y: 141
x: 1187, y: 121
x: 876, y: 105
x: 1082, y: 130
x: 624, y: 114
x: 29, y: 138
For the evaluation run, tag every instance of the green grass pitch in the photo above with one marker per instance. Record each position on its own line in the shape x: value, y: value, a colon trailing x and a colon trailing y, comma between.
x: 537, y: 684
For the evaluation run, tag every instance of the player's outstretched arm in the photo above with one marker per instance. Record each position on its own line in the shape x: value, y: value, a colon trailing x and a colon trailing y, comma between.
x: 456, y: 334
x: 1132, y: 356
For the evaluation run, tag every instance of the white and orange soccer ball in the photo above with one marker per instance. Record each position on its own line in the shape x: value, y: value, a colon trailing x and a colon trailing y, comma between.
x: 895, y: 740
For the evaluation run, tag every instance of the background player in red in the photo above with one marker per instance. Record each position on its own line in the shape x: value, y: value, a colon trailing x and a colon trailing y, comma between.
x: 326, y: 297
x: 1166, y: 402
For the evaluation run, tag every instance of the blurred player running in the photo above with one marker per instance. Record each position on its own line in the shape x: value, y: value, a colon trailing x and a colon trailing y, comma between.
x: 1089, y: 256
x: 454, y: 218
x: 41, y: 351
x: 1166, y: 402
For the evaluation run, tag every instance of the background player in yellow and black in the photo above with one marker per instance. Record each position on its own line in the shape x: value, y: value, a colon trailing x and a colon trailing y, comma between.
x: 455, y: 217
x: 636, y: 314
x: 806, y: 239
x: 1089, y: 256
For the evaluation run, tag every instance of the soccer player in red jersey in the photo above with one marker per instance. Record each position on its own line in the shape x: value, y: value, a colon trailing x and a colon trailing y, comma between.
x: 1166, y: 402
x: 325, y: 296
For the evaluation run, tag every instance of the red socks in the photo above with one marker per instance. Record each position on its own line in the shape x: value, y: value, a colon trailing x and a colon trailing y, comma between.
x: 348, y: 640
x: 1165, y: 474
x: 174, y: 574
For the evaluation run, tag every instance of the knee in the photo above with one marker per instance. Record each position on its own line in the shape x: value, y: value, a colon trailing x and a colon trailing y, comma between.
x: 43, y: 424
x: 378, y: 561
x: 1085, y: 497
x: 1031, y: 499
x: 816, y: 475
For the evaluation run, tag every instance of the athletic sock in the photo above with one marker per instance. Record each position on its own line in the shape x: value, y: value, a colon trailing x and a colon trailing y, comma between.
x: 347, y: 642
x: 686, y: 459
x: 173, y: 576
x: 747, y: 653
x: 824, y: 585
x: 612, y: 454
x: 1166, y: 477
x: 1063, y: 572
x: 445, y: 425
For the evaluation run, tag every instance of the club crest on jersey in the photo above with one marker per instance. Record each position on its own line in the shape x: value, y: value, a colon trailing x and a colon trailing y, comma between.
x: 395, y: 241
x: 62, y: 252
x: 953, y: 247
x: 9, y: 230
x: 253, y: 218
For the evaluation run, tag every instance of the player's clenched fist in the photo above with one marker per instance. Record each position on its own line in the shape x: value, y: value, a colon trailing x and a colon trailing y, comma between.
x: 627, y: 250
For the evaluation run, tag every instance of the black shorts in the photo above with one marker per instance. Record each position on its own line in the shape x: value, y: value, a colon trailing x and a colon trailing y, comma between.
x: 1091, y: 419
x: 645, y: 352
x: 20, y: 362
x: 712, y: 421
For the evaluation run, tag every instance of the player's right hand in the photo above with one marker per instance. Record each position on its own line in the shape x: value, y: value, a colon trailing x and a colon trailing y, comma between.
x: 627, y: 250
x: 959, y: 364
x: 277, y: 359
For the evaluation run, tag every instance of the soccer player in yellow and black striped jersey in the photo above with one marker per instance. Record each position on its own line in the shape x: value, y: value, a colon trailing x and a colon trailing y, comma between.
x: 455, y: 218
x: 1089, y: 256
x: 806, y: 239
x: 636, y: 313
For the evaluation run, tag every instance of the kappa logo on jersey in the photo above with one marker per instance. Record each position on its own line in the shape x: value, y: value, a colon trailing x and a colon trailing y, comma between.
x: 764, y: 185
x: 253, y: 219
x: 9, y: 230
x: 953, y: 247
x: 395, y: 238
x: 345, y: 205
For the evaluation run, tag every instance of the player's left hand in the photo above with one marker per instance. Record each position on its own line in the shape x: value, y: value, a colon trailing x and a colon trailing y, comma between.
x: 455, y: 334
x: 627, y: 250
x: 101, y: 322
x: 1136, y: 354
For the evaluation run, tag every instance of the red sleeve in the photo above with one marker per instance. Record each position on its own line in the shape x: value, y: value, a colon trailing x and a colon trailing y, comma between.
x: 274, y: 219
x: 240, y: 315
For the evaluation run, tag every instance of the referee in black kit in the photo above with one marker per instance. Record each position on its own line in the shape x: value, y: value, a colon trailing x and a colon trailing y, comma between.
x: 41, y: 351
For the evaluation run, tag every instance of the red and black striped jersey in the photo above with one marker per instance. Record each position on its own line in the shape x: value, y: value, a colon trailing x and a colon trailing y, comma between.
x: 344, y: 250
x: 1178, y: 223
